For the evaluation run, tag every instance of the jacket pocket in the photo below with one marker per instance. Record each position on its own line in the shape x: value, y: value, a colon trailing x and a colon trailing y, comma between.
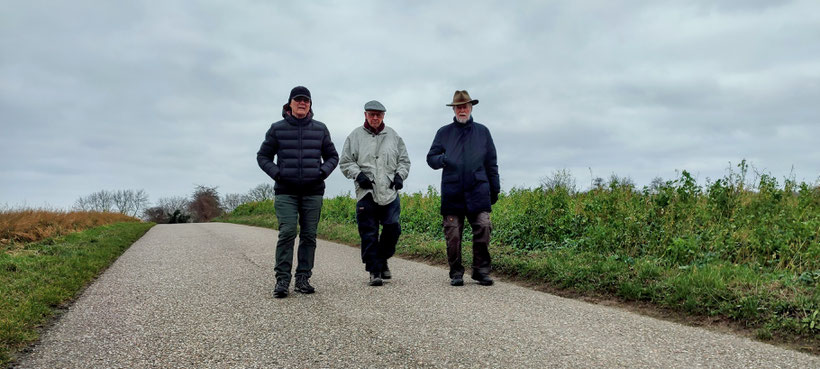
x: 450, y: 178
x: 481, y: 177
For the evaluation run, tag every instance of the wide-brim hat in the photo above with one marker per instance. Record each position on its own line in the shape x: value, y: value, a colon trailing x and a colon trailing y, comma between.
x: 461, y: 97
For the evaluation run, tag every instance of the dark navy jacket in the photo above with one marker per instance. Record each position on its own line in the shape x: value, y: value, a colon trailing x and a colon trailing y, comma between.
x: 305, y: 155
x: 467, y: 154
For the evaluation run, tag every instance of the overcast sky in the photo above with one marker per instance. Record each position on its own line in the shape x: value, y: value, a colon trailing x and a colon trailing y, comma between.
x: 163, y: 96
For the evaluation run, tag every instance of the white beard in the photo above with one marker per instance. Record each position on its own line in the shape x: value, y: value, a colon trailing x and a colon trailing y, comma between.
x: 462, y: 120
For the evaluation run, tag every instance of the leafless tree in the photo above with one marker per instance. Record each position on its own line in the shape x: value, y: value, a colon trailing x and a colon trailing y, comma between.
x: 656, y: 185
x: 261, y: 192
x: 130, y: 202
x: 81, y: 204
x: 232, y: 200
x: 98, y: 201
x: 560, y: 179
x: 122, y: 200
x: 598, y: 183
x: 174, y: 203
x: 204, y: 204
x: 620, y: 182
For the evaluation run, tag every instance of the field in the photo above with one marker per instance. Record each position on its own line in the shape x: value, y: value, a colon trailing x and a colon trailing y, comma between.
x: 747, y: 255
x: 38, y: 278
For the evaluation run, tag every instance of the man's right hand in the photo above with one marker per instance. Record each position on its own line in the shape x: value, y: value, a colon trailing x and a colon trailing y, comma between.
x: 364, y: 182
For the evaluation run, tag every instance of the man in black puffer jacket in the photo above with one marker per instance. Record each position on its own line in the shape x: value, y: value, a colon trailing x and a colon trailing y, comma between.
x: 470, y: 184
x: 305, y: 156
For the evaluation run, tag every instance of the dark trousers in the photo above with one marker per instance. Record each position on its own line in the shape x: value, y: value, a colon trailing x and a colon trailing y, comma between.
x: 376, y: 250
x: 290, y: 211
x: 454, y: 229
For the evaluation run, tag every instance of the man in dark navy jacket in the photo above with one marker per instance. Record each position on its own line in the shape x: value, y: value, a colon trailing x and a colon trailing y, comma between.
x: 470, y: 184
x: 305, y: 156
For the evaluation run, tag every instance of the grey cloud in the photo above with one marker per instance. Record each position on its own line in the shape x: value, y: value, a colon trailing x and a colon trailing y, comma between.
x: 162, y: 96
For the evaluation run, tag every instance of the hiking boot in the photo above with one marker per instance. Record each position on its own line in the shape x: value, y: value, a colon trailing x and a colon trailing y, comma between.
x: 386, y: 272
x: 456, y: 281
x: 303, y: 286
x: 375, y: 279
x: 483, y: 279
x: 281, y: 289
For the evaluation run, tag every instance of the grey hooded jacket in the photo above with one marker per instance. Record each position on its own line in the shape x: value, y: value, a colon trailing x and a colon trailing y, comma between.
x: 380, y: 157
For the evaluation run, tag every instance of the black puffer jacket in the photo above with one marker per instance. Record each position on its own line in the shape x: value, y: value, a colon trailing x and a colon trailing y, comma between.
x: 469, y: 180
x: 305, y: 155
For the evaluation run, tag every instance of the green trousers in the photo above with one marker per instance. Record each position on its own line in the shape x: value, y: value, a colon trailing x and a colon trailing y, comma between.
x: 293, y: 210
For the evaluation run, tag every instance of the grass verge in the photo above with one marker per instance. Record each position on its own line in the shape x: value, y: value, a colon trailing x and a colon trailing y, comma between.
x: 37, y: 279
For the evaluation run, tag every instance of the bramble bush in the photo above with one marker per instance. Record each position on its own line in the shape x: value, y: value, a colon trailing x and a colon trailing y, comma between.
x: 770, y: 226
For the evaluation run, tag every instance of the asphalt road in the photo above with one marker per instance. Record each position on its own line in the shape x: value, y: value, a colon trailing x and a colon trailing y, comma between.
x: 199, y: 296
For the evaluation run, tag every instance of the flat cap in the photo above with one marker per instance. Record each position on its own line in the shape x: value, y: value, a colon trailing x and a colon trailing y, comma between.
x: 374, y: 105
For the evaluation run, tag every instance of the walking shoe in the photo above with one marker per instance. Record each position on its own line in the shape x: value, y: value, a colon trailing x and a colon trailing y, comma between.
x: 303, y: 286
x: 456, y: 281
x: 483, y: 279
x: 386, y: 272
x: 281, y: 289
x: 375, y: 279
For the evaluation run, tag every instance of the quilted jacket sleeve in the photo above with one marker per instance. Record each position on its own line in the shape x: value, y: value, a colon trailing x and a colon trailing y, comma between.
x: 266, y: 153
x: 329, y: 155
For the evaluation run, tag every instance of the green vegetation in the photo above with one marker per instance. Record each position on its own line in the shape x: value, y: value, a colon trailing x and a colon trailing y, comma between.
x: 748, y: 254
x: 38, y: 278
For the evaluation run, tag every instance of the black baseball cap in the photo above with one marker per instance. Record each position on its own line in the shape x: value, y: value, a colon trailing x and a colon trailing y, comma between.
x: 299, y: 91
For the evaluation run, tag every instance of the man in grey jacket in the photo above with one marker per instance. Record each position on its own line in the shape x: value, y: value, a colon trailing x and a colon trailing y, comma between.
x: 375, y: 157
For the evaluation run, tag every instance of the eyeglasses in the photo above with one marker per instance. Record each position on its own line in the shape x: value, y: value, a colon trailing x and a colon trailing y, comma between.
x: 301, y: 99
x: 374, y: 114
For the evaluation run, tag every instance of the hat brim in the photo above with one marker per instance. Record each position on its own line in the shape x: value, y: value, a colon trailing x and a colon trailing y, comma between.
x: 474, y: 102
x: 295, y: 96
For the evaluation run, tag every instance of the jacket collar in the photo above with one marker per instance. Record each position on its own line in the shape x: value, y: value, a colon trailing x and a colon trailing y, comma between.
x: 372, y: 130
x: 463, y: 125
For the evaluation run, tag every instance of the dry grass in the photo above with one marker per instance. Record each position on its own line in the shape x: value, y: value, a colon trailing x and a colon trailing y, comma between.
x: 30, y: 225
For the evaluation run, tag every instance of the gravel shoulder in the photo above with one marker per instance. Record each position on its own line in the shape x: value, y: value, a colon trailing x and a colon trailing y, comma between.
x: 199, y: 295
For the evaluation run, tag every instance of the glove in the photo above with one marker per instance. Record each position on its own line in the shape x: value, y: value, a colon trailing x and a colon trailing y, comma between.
x: 364, y: 182
x: 397, y: 183
x: 493, y: 198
